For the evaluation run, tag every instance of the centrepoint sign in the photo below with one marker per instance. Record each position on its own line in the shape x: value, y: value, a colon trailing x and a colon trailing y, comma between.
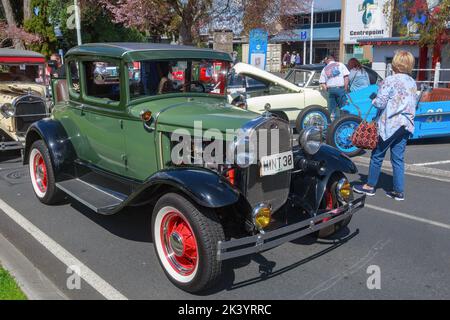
x: 364, y: 19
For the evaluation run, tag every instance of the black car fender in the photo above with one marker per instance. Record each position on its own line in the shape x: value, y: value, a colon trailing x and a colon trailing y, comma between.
x: 334, y: 162
x: 62, y: 152
x: 203, y: 186
x: 308, y: 188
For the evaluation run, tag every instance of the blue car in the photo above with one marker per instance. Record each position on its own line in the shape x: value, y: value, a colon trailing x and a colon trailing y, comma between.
x: 432, y: 117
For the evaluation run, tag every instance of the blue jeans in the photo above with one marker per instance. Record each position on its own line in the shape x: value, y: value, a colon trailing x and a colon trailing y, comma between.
x: 397, y: 144
x: 336, y: 99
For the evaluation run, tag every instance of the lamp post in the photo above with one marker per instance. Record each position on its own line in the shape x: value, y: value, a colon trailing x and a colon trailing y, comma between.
x: 311, y: 34
x: 77, y: 21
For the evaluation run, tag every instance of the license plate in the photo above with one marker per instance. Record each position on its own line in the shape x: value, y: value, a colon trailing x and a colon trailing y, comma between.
x: 276, y: 163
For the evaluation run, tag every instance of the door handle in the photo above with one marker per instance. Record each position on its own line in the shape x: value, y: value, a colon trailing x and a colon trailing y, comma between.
x: 82, y: 107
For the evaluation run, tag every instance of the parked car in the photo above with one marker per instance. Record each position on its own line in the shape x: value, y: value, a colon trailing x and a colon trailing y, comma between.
x: 286, y: 99
x: 432, y: 117
x: 307, y: 76
x: 22, y: 95
x: 111, y: 150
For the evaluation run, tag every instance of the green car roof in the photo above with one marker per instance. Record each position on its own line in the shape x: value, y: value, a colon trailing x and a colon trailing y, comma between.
x: 142, y: 51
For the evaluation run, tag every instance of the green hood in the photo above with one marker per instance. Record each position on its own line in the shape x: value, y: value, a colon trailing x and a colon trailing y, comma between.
x: 183, y: 112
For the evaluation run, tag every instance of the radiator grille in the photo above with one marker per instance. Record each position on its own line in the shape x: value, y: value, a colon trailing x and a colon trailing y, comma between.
x: 270, y: 189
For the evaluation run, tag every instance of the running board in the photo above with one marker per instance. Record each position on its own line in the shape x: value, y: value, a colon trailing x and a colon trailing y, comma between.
x: 97, y: 198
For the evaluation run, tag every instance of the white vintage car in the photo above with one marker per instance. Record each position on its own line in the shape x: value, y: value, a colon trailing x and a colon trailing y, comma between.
x: 22, y: 95
x: 253, y: 88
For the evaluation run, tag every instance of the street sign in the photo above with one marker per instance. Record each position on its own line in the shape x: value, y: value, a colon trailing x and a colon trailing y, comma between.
x: 258, y: 48
x: 303, y: 35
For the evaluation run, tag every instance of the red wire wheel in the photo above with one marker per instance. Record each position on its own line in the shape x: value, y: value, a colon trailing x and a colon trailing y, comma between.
x: 179, y: 243
x: 40, y: 172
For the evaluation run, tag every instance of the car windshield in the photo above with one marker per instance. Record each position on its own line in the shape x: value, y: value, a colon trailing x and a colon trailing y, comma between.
x: 33, y: 73
x: 299, y: 77
x: 152, y: 77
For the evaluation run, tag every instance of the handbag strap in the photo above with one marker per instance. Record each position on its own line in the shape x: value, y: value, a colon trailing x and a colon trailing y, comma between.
x: 368, y: 112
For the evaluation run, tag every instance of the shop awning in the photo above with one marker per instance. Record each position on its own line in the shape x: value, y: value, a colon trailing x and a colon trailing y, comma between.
x: 319, y: 34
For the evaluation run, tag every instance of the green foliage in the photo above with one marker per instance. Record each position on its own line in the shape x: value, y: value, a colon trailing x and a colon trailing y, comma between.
x: 364, y: 62
x: 96, y: 24
x: 39, y: 24
x: 9, y: 290
x: 430, y: 31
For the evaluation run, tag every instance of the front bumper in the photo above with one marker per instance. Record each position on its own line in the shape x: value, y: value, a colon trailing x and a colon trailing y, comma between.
x: 264, y: 241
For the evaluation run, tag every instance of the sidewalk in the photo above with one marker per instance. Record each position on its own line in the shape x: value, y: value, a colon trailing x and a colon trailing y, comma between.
x: 31, y: 281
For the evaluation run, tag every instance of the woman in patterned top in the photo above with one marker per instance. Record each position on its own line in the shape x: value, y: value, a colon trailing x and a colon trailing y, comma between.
x: 396, y: 103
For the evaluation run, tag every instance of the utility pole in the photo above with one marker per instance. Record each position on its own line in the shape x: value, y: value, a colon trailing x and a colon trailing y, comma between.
x: 311, y: 34
x: 77, y: 21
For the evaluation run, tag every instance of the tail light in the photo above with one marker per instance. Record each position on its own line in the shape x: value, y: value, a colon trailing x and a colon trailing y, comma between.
x: 230, y: 175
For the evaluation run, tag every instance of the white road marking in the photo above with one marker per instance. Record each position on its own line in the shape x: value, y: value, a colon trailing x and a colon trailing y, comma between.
x: 431, y: 163
x: 94, y: 280
x: 408, y: 216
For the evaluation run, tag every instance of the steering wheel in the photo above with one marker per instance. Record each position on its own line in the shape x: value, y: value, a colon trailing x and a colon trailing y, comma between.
x: 195, y: 83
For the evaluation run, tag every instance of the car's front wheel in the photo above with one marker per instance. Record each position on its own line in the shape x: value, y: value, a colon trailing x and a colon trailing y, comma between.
x: 185, y: 237
x: 42, y: 174
x: 340, y: 134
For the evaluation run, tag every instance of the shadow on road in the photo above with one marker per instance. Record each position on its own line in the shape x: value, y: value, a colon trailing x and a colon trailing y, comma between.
x: 10, y: 156
x: 132, y: 223
x: 384, y: 182
x: 266, y: 266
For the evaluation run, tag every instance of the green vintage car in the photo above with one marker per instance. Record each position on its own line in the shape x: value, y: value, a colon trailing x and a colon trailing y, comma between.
x: 134, y: 125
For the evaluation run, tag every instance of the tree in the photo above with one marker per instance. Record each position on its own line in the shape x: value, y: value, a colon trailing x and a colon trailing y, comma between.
x: 272, y: 15
x: 11, y: 24
x: 96, y: 23
x: 182, y: 19
x: 39, y: 24
x: 12, y: 33
x: 26, y: 9
x: 416, y: 17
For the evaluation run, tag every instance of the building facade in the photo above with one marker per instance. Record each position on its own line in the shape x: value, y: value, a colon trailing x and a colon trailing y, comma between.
x: 326, y: 32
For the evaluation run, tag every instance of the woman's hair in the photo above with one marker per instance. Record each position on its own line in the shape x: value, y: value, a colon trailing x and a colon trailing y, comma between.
x: 403, y: 62
x: 353, y: 63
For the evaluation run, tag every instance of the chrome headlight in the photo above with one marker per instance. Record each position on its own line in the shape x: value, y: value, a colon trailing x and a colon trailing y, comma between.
x: 311, y: 140
x: 7, y: 110
x: 344, y: 190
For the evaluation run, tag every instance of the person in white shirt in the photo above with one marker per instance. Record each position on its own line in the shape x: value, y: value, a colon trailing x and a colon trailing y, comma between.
x: 334, y: 79
x: 293, y: 58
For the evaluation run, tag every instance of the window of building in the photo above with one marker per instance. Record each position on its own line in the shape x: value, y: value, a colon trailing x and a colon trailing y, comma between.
x: 102, y: 80
x: 318, y: 18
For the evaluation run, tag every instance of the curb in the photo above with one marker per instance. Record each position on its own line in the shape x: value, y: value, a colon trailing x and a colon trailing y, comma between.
x: 31, y: 281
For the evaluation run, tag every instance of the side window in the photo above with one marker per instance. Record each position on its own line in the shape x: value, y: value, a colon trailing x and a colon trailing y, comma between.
x: 74, y: 73
x: 102, y: 80
x: 315, y: 80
